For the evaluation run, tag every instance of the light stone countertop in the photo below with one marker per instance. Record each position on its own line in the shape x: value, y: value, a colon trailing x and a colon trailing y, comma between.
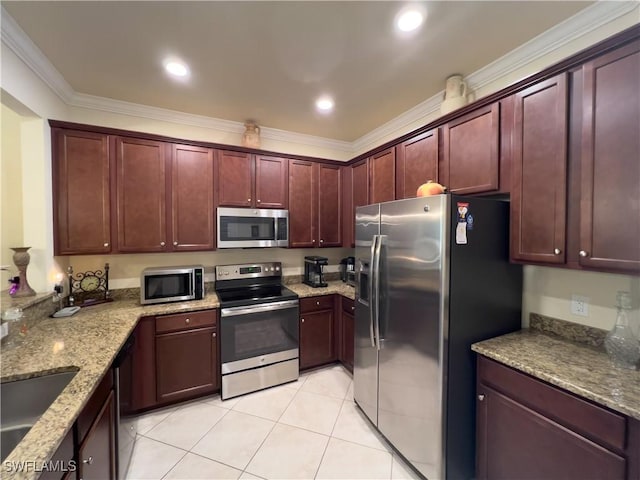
x: 88, y: 342
x: 580, y: 369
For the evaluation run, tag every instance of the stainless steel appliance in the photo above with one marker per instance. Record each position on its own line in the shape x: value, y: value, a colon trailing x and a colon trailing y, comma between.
x: 252, y: 227
x: 126, y: 424
x: 171, y: 284
x: 348, y: 270
x: 433, y: 277
x: 313, y: 274
x: 259, y: 331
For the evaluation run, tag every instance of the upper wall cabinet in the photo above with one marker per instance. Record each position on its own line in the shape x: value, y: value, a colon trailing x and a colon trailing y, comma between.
x: 81, y: 193
x: 538, y: 192
x: 246, y: 180
x: 416, y: 163
x: 610, y: 167
x: 329, y: 205
x: 382, y: 170
x: 471, y: 153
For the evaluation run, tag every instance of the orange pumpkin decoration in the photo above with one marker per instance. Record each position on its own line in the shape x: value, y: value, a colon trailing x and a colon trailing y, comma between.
x: 430, y: 188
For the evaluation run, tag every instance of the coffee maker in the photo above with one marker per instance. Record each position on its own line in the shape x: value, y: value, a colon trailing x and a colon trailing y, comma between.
x: 313, y: 271
x: 347, y: 270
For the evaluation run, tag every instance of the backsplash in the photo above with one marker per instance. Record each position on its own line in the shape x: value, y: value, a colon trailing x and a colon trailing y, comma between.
x: 569, y: 330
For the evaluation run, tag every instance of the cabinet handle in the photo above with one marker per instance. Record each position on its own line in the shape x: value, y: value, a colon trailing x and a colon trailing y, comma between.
x: 302, y: 320
x: 213, y: 334
x: 317, y: 303
x: 353, y: 308
x: 583, y: 253
x: 187, y: 321
x: 88, y: 461
x: 258, y: 201
x: 313, y: 241
x: 557, y: 251
x: 321, y: 241
x: 481, y: 397
x: 175, y: 244
x: 106, y: 244
x: 162, y: 244
x: 248, y: 199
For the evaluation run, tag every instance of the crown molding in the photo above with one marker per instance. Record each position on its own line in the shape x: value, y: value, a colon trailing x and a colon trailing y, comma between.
x: 582, y: 23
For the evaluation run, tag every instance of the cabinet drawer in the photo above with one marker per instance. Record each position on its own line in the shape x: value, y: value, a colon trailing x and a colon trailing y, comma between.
x: 582, y: 416
x: 94, y: 405
x: 185, y: 321
x: 312, y: 304
x: 348, y: 305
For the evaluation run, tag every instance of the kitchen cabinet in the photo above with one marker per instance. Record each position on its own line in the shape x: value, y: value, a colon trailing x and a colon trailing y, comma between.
x: 610, y: 167
x: 382, y: 168
x: 359, y: 193
x: 470, y: 155
x: 416, y: 163
x: 317, y: 331
x: 347, y: 207
x: 192, y: 198
x: 346, y: 337
x: 315, y: 216
x: 246, y: 180
x: 539, y: 168
x: 141, y: 195
x: 187, y: 363
x: 144, y: 365
x: 527, y: 428
x: 81, y: 192
x: 65, y: 454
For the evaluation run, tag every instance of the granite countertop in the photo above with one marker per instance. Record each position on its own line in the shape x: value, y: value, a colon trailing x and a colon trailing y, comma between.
x: 88, y: 342
x: 581, y: 369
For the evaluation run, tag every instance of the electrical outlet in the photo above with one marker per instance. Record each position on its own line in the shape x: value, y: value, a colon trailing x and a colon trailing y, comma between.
x: 580, y: 305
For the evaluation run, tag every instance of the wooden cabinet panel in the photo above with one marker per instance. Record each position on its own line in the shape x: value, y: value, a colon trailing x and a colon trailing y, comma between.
x: 97, y: 453
x: 141, y: 193
x: 471, y: 152
x: 416, y: 163
x: 192, y: 195
x: 62, y: 458
x: 81, y: 192
x: 313, y: 304
x: 302, y: 208
x: 272, y: 182
x: 360, y: 190
x: 235, y: 179
x: 538, y: 193
x: 94, y: 406
x: 185, y: 321
x: 347, y: 207
x: 329, y: 206
x: 610, y: 187
x: 186, y: 364
x: 144, y: 365
x: 347, y: 333
x: 383, y: 176
x: 317, y: 338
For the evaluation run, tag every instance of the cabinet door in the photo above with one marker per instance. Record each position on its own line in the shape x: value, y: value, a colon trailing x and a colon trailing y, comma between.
x: 272, y: 182
x: 192, y: 210
x: 97, y: 453
x: 470, y: 152
x: 516, y: 442
x: 144, y: 365
x: 317, y: 338
x: 416, y: 163
x: 141, y: 193
x: 610, y: 206
x: 538, y: 192
x: 235, y: 179
x: 81, y: 195
x: 329, y: 206
x: 302, y: 208
x: 186, y: 364
x: 346, y: 340
x: 383, y: 176
x: 360, y: 191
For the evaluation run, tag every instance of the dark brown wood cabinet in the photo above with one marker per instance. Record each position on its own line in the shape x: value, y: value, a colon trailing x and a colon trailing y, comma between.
x: 186, y: 355
x: 610, y: 167
x: 246, y: 180
x: 416, y: 163
x: 96, y: 454
x: 317, y: 331
x: 359, y: 193
x: 315, y: 204
x: 141, y: 186
x: 539, y: 169
x: 81, y: 192
x: 144, y: 365
x: 529, y: 429
x: 65, y: 454
x: 382, y: 169
x: 471, y: 153
x: 192, y: 198
x: 346, y: 337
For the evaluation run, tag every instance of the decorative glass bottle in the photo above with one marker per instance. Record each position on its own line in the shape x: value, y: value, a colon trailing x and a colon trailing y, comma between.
x: 621, y: 344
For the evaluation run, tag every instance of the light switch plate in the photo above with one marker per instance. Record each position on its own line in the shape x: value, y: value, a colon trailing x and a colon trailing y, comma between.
x: 4, y: 330
x: 580, y: 305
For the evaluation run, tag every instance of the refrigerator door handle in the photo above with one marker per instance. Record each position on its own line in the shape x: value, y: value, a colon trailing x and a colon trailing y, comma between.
x: 372, y: 293
x: 376, y: 270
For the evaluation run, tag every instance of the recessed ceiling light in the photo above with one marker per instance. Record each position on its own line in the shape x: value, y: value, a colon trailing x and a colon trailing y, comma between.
x: 409, y: 20
x: 324, y: 104
x: 176, y: 68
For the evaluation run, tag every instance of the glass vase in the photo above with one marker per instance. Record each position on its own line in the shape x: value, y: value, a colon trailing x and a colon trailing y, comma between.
x: 621, y: 344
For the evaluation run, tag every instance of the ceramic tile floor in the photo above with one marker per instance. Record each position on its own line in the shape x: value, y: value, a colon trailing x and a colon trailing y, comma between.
x: 302, y: 430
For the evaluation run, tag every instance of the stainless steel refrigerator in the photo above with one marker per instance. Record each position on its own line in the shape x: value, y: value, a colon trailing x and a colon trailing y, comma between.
x: 433, y: 277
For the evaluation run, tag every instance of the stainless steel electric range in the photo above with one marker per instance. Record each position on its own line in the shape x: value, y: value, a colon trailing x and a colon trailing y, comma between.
x: 259, y: 333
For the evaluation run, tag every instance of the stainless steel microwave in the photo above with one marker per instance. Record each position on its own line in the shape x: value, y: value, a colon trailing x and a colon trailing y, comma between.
x: 171, y: 284
x: 252, y: 227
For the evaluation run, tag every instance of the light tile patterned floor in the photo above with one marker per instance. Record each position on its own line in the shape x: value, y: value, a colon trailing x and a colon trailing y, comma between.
x: 303, y: 430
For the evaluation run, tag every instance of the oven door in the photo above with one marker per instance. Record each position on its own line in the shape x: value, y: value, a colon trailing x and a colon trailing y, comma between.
x: 258, y: 335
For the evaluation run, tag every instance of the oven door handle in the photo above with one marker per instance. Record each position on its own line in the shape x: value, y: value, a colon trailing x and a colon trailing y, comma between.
x: 269, y: 307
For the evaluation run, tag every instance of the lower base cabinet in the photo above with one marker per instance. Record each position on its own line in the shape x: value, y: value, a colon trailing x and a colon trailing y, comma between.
x: 528, y: 429
x: 97, y: 452
x: 345, y: 355
x: 317, y: 331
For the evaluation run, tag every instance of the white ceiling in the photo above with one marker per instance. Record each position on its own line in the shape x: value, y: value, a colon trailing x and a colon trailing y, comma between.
x: 268, y: 61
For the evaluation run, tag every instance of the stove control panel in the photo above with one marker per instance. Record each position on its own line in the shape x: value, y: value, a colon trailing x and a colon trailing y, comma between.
x: 248, y: 270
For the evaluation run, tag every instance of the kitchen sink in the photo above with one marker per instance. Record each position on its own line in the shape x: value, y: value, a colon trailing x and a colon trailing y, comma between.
x: 22, y: 403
